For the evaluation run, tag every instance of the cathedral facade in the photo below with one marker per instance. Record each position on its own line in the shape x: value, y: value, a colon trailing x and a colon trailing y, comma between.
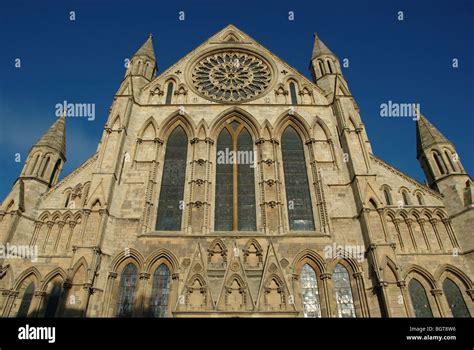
x: 232, y: 185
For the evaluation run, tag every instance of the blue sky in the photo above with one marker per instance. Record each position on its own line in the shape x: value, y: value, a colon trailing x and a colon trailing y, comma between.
x: 81, y: 61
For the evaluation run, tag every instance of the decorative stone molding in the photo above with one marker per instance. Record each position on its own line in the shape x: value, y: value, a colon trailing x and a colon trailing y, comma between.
x: 144, y: 276
x: 113, y: 275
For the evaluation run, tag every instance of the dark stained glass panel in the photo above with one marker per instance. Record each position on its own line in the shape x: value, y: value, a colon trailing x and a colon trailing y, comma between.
x: 298, y: 198
x: 128, y: 282
x: 455, y: 300
x: 342, y: 288
x: 224, y: 184
x: 53, y: 300
x: 246, y: 183
x: 170, y: 205
x: 160, y: 291
x: 26, y: 301
x: 419, y: 299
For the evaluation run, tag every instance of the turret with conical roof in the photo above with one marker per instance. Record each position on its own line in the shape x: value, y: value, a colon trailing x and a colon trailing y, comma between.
x: 436, y: 153
x: 326, y: 69
x: 143, y: 62
x: 47, y: 156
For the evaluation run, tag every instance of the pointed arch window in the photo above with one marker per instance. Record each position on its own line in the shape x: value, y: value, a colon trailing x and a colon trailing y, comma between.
x: 169, y: 93
x: 52, y: 302
x: 35, y: 162
x: 419, y: 299
x: 405, y: 198
x: 55, y: 170
x: 343, y: 291
x: 294, y: 98
x: 300, y: 212
x: 455, y: 299
x: 419, y: 197
x: 439, y: 163
x: 128, y: 282
x: 46, y: 164
x: 329, y: 66
x: 450, y: 160
x: 310, y: 292
x: 172, y: 183
x: 26, y: 300
x: 321, y: 67
x: 160, y: 291
x: 388, y: 198
x: 235, y: 180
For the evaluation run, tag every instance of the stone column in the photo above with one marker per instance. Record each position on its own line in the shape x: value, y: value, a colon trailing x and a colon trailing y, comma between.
x: 328, y: 307
x: 403, y: 289
x: 37, y: 303
x: 421, y: 222
x: 108, y: 295
x: 436, y: 232
x: 364, y: 306
x: 437, y: 294
x: 396, y: 223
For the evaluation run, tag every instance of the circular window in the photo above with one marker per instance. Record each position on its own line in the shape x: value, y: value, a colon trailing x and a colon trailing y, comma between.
x: 231, y: 76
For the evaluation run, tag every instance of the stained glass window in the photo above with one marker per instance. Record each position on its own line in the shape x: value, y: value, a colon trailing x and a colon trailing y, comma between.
x: 128, y: 282
x: 455, y: 300
x: 52, y: 302
x: 235, y: 180
x: 419, y: 299
x: 300, y: 213
x: 342, y: 288
x: 309, y: 292
x: 294, y: 99
x: 26, y: 301
x: 172, y: 184
x: 169, y: 93
x: 160, y: 291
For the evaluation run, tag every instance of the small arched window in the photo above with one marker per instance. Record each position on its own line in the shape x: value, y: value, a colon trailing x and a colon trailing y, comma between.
x: 33, y: 166
x: 46, y: 164
x: 388, y: 197
x: 160, y: 291
x: 321, y: 67
x: 26, y: 300
x: 329, y: 66
x: 406, y: 201
x: 68, y: 199
x: 343, y: 291
x: 455, y: 299
x: 310, y: 292
x: 53, y: 299
x: 128, y: 282
x: 439, y: 163
x: 419, y: 299
x: 55, y: 170
x: 450, y: 160
x: 170, y: 206
x: 169, y: 93
x: 419, y: 198
x: 294, y: 97
x: 300, y: 211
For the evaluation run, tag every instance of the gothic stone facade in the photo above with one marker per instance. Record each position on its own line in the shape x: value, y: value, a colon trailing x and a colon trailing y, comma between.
x: 104, y: 252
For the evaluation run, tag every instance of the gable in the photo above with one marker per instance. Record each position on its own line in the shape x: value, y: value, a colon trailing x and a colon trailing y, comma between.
x: 230, y: 67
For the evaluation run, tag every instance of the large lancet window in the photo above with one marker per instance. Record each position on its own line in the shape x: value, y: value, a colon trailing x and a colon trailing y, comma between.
x: 235, y: 180
x: 419, y: 299
x: 26, y: 300
x: 160, y: 291
x: 342, y: 288
x: 310, y: 292
x: 455, y: 300
x: 128, y: 282
x: 170, y: 206
x: 300, y: 213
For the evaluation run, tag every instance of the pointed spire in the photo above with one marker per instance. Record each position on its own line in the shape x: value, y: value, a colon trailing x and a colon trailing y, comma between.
x: 427, y: 134
x: 55, y: 137
x: 320, y: 48
x: 147, y: 48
